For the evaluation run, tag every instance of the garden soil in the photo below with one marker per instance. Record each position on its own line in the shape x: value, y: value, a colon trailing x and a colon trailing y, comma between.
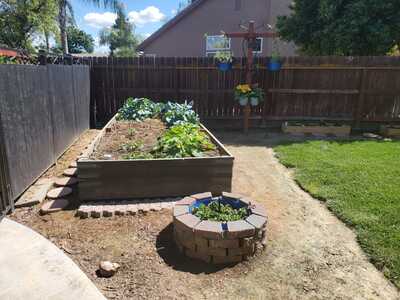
x: 310, y: 253
x: 126, y: 136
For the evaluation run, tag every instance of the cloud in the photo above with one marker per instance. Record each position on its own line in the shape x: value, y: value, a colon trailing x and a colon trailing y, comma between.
x: 100, y: 49
x: 150, y: 14
x: 98, y: 20
x: 146, y: 35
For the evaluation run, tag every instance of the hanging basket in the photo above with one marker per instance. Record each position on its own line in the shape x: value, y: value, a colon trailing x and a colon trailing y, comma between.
x: 254, y: 101
x: 274, y: 65
x: 224, y: 66
x: 243, y: 101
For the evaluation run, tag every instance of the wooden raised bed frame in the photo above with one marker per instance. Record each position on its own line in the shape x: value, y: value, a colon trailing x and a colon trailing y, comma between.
x: 340, y: 131
x: 130, y: 179
x: 390, y: 131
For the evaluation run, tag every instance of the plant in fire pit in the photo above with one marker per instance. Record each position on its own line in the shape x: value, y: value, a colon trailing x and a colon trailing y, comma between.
x: 185, y: 140
x: 216, y: 211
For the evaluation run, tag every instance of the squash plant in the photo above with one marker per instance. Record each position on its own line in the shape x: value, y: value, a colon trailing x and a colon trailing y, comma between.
x: 185, y: 140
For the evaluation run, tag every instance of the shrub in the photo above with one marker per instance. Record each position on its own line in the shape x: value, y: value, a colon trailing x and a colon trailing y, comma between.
x: 185, y: 140
x: 216, y: 211
x: 176, y: 114
x: 139, y: 109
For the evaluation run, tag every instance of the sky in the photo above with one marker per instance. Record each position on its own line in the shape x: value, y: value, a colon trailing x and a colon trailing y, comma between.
x: 147, y: 15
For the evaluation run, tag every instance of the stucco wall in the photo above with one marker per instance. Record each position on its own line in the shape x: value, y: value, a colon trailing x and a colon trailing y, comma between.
x: 186, y: 38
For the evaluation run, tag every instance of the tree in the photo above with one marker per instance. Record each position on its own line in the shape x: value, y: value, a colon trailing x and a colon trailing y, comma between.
x: 65, y: 10
x: 342, y: 27
x: 21, y: 19
x: 120, y: 37
x: 79, y: 41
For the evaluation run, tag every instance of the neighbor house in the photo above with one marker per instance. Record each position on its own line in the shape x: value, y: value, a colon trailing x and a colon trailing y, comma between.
x: 196, y: 31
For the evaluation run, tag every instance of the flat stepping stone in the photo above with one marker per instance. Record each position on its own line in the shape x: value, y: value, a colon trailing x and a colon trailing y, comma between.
x: 66, y: 181
x: 35, y: 194
x: 53, y: 206
x: 59, y: 192
x: 71, y: 172
x: 73, y: 165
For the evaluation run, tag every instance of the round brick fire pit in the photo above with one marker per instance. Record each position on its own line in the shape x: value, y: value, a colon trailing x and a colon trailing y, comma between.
x: 218, y: 242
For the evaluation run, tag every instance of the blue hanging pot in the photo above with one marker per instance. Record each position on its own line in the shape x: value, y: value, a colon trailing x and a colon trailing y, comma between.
x: 224, y: 66
x: 274, y: 65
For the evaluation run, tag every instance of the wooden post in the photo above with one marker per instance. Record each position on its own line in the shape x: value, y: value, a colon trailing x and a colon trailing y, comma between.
x: 250, y: 36
x: 42, y: 58
x: 360, y: 100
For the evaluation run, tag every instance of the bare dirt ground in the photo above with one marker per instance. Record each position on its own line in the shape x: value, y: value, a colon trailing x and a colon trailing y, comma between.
x: 73, y: 152
x: 310, y: 253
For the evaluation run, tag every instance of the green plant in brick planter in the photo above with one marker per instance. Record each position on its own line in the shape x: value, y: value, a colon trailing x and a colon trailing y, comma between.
x: 219, y: 230
x: 216, y: 211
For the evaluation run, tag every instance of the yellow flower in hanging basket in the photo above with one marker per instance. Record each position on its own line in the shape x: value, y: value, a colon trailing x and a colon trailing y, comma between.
x: 244, y: 88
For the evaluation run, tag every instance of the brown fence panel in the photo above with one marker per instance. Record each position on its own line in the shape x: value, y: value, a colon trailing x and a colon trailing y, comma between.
x: 337, y: 88
x: 43, y: 109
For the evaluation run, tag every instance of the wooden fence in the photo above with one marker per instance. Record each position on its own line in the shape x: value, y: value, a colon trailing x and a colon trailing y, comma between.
x: 43, y: 109
x: 353, y: 89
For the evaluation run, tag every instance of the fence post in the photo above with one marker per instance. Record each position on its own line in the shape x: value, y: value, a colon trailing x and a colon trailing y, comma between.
x: 360, y: 101
x: 42, y: 57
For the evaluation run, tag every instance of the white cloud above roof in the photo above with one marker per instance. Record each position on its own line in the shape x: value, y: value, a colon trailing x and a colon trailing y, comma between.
x: 150, y: 14
x: 100, y: 20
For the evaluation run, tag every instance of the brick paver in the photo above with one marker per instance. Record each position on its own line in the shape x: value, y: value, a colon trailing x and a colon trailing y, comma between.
x: 124, y: 208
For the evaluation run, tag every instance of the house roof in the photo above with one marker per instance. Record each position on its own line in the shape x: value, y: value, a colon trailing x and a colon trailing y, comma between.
x: 175, y: 20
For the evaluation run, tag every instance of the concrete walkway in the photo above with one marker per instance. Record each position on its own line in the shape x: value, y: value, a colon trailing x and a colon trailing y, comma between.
x: 31, y: 267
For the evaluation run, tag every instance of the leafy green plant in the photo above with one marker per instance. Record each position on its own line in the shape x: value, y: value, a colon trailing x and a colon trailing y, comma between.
x: 258, y: 93
x: 7, y: 60
x: 139, y: 109
x: 175, y: 114
x: 132, y: 146
x: 224, y: 57
x: 135, y: 151
x: 275, y: 57
x: 216, y: 211
x: 131, y: 132
x: 185, y: 140
x: 137, y: 155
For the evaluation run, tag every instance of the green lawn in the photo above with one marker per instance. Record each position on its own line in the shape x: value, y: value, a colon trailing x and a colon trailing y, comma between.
x: 360, y: 182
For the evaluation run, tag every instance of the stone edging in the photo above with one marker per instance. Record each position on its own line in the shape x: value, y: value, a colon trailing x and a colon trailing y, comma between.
x: 209, y: 241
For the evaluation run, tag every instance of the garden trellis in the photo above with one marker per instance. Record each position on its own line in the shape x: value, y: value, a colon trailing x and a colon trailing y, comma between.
x: 250, y: 36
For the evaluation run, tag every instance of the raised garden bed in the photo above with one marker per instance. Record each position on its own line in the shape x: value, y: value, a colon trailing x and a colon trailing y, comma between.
x: 122, y: 164
x: 226, y: 235
x: 390, y: 130
x: 318, y: 129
